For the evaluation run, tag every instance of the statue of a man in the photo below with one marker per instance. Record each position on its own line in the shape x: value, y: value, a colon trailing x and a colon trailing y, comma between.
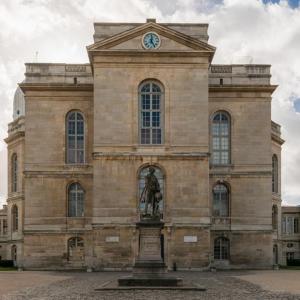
x: 151, y: 193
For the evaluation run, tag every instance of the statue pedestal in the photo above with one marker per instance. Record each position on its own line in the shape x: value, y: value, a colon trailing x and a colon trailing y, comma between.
x: 149, y: 268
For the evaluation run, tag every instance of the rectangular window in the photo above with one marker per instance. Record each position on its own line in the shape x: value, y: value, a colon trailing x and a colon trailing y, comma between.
x: 296, y: 225
x: 284, y: 225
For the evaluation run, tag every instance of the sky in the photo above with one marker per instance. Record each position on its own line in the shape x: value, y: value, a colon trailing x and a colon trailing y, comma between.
x: 244, y: 31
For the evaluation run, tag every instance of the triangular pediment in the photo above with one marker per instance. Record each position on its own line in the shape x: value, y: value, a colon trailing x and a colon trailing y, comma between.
x: 172, y: 40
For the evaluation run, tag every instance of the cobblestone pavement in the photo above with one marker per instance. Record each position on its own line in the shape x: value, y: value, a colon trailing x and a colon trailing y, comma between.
x: 220, y: 285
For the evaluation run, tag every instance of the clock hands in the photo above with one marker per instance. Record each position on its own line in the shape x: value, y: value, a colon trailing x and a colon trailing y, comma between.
x: 151, y: 39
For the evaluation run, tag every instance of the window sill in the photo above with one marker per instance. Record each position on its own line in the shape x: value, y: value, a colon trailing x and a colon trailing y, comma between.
x: 221, y: 166
x: 78, y: 166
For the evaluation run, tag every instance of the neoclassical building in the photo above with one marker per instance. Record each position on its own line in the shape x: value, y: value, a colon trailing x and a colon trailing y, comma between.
x: 84, y: 136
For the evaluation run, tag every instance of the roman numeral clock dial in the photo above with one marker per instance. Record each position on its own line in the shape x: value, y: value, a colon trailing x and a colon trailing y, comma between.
x: 151, y: 40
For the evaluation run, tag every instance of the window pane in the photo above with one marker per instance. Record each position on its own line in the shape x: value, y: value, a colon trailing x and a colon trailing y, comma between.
x: 156, y: 136
x: 72, y: 116
x: 215, y: 129
x: 71, y: 142
x: 216, y: 143
x: 80, y: 142
x: 224, y: 143
x: 71, y: 127
x: 80, y: 127
x: 156, y: 119
x: 146, y: 88
x: 146, y: 102
x: 145, y: 136
x: 155, y: 88
x: 216, y: 157
x: 146, y: 119
x: 224, y: 129
x: 80, y: 156
x: 217, y: 118
x: 224, y: 158
x: 155, y: 101
x: 71, y: 156
x: 224, y: 117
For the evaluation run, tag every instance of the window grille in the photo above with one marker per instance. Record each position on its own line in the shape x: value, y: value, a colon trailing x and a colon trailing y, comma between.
x: 220, y: 139
x: 221, y: 248
x: 75, y: 138
x: 151, y: 114
x: 75, y: 200
x: 220, y: 201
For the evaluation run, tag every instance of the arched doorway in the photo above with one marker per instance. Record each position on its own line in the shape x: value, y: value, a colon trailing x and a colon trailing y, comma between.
x: 14, y: 254
x: 275, y: 255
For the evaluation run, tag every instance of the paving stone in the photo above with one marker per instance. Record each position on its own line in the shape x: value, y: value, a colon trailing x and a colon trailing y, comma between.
x: 81, y: 286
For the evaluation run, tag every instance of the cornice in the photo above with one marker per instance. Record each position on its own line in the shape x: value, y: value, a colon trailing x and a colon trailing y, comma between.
x: 138, y: 156
x: 216, y: 173
x: 19, y: 196
x: 56, y: 87
x: 277, y: 139
x: 14, y: 136
x: 60, y: 174
x: 242, y: 88
x: 165, y: 53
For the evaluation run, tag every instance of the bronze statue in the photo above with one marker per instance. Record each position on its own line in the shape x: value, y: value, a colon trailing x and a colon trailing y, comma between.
x: 151, y: 193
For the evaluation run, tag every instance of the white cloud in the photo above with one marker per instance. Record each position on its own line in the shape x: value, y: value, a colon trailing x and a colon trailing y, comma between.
x: 60, y: 30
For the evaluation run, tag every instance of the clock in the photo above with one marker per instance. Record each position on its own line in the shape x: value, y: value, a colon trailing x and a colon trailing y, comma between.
x: 151, y: 40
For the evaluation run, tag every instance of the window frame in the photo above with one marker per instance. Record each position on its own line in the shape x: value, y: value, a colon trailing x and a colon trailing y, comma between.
x: 77, y: 240
x: 15, y: 218
x: 220, y: 200
x: 274, y: 217
x: 151, y: 110
x: 77, y: 215
x: 75, y: 135
x: 222, y: 255
x: 14, y: 173
x: 219, y: 136
x: 275, y: 174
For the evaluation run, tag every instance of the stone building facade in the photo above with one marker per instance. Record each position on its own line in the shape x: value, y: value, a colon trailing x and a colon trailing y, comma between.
x: 290, y: 234
x: 84, y: 135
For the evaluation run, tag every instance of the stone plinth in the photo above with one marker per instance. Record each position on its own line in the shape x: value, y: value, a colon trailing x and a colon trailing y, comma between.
x: 149, y: 268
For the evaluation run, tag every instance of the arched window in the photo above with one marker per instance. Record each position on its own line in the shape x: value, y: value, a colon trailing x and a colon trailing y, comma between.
x: 160, y: 177
x: 220, y: 201
x: 75, y: 200
x: 221, y: 248
x: 76, y: 248
x: 75, y: 138
x: 274, y: 217
x: 14, y: 173
x: 220, y: 138
x: 15, y: 217
x: 14, y: 253
x: 274, y: 174
x: 151, y: 113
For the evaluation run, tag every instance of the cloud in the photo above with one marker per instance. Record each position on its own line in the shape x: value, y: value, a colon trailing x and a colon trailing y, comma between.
x: 242, y: 31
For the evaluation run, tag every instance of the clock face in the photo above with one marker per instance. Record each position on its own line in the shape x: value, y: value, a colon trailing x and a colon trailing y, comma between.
x: 151, y: 40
